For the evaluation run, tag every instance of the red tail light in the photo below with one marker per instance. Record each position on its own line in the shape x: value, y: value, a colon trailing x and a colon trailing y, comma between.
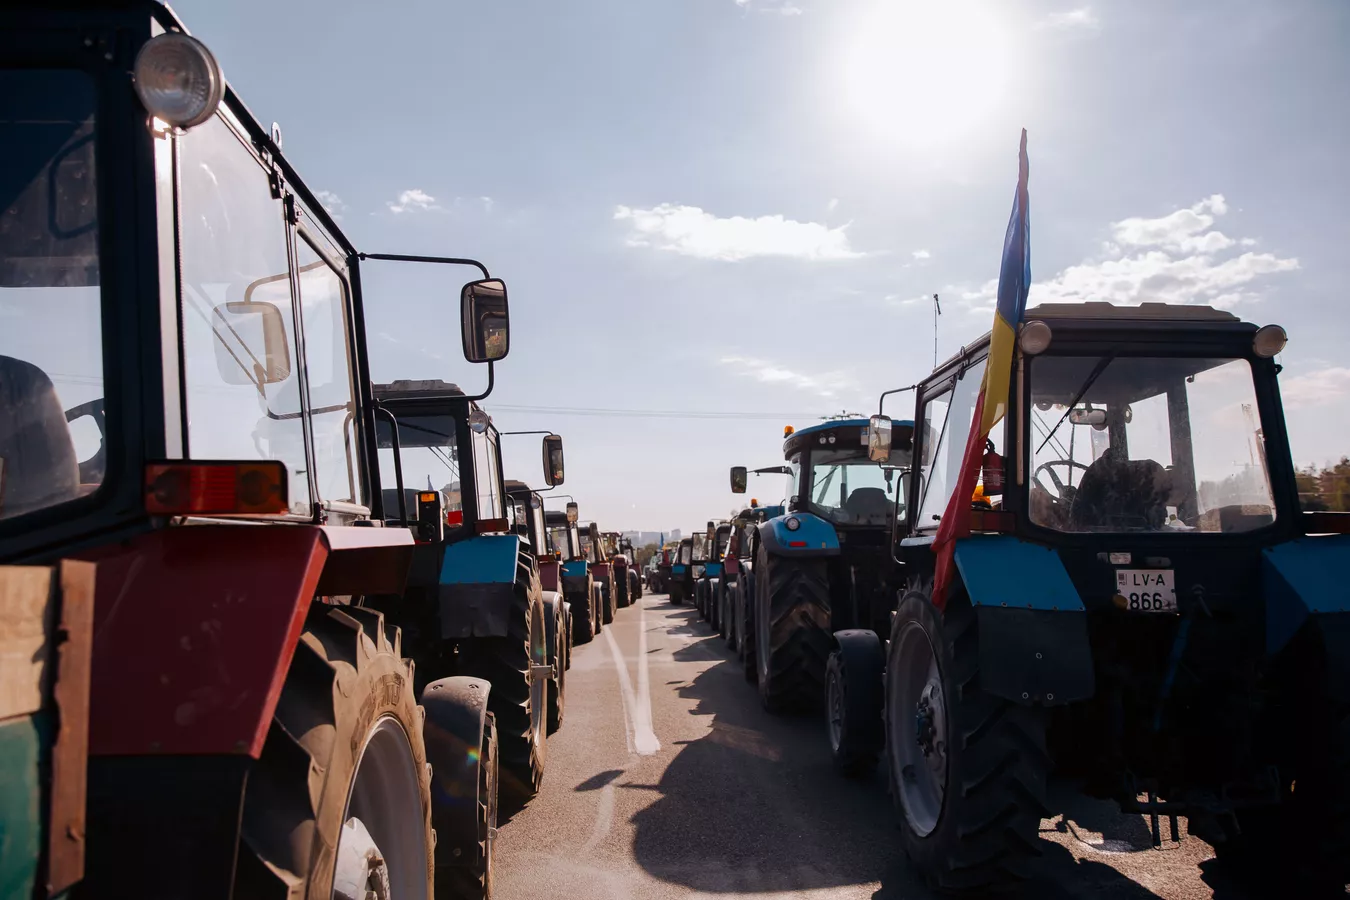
x: 454, y: 517
x: 216, y: 488
x: 488, y: 526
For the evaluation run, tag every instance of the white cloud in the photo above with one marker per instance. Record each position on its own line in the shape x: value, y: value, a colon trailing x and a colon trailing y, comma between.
x: 1176, y: 258
x: 1080, y: 19
x: 1185, y: 229
x: 413, y: 199
x: 1315, y: 388
x: 690, y: 231
x: 826, y: 384
x: 832, y: 205
x: 488, y: 203
x: 332, y: 203
x: 921, y: 254
x: 780, y: 7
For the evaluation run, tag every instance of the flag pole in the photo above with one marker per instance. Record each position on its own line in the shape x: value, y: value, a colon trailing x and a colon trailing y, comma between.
x: 937, y: 311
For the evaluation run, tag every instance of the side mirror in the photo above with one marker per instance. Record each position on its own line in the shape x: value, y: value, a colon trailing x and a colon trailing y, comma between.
x: 485, y: 324
x: 572, y: 514
x: 251, y: 344
x: 553, y: 460
x: 738, y: 479
x: 879, y: 439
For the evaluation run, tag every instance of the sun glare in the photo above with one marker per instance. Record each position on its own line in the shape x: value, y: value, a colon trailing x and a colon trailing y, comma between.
x: 926, y: 72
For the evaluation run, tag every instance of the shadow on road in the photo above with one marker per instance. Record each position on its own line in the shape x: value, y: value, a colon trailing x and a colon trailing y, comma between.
x: 756, y: 806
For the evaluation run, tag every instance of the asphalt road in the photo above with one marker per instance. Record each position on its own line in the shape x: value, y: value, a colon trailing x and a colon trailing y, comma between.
x: 667, y: 780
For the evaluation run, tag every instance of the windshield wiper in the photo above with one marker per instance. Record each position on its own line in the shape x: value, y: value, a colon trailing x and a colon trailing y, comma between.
x: 1096, y: 372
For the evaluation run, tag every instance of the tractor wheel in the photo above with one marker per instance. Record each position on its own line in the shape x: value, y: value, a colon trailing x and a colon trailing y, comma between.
x: 462, y: 875
x: 634, y: 586
x: 622, y: 595
x: 557, y: 684
x: 583, y: 624
x: 676, y: 598
x: 719, y: 604
x: 607, y: 600
x: 513, y: 665
x: 853, y: 701
x: 967, y: 769
x: 340, y: 801
x: 729, y: 617
x: 792, y: 631
x: 745, y: 603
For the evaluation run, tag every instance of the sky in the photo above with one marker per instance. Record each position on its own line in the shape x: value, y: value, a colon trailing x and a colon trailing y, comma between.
x: 740, y: 209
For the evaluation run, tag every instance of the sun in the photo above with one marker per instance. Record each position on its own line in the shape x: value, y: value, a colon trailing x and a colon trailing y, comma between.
x: 924, y: 73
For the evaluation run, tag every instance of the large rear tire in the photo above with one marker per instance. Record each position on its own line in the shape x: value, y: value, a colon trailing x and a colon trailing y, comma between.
x: 343, y: 768
x: 634, y: 586
x: 967, y: 769
x: 732, y: 627
x: 745, y: 603
x: 583, y: 623
x: 519, y: 697
x: 607, y: 601
x: 792, y: 631
x: 676, y: 594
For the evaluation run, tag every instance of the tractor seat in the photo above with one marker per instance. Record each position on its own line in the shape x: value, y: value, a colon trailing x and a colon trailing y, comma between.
x: 867, y: 504
x: 1128, y: 494
x: 40, y: 468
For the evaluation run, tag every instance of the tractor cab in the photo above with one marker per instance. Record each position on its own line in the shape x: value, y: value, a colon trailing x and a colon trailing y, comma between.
x: 575, y: 549
x: 842, y: 504
x: 682, y: 570
x: 1138, y: 571
x: 185, y: 403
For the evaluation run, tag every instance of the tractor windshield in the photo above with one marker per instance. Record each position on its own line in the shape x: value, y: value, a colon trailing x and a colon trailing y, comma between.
x: 1159, y: 444
x: 851, y: 490
x: 430, y: 463
x: 51, y: 336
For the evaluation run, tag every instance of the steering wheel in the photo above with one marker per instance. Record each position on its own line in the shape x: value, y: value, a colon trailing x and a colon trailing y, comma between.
x: 1061, y: 489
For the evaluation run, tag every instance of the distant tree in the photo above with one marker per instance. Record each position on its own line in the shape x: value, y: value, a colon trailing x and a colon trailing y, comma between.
x: 1326, y: 488
x: 645, y: 553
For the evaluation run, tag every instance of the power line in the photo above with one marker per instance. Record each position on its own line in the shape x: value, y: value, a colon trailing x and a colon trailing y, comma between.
x: 649, y: 413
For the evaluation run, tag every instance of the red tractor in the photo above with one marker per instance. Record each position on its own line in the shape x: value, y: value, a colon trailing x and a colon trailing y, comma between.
x: 186, y: 403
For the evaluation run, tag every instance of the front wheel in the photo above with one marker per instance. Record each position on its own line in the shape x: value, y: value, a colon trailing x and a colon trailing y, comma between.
x: 967, y: 770
x: 340, y: 800
x: 853, y: 702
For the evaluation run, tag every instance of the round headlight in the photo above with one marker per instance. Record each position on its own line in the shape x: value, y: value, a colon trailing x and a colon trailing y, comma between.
x: 535, y: 502
x: 1035, y: 337
x: 178, y: 80
x: 478, y: 421
x: 831, y: 439
x: 792, y: 523
x: 1269, y: 340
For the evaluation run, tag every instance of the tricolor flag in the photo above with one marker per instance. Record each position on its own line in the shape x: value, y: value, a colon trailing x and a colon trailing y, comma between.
x: 1014, y: 279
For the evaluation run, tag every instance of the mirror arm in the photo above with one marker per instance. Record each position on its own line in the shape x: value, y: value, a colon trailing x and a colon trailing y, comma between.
x: 398, y: 464
x: 448, y: 260
x: 488, y: 390
x: 881, y: 403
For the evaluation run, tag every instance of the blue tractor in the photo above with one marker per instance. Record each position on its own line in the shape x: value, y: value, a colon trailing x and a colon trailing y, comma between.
x: 820, y: 574
x: 1140, y: 604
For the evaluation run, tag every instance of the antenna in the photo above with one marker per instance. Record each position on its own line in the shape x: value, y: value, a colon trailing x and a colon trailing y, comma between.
x: 937, y: 311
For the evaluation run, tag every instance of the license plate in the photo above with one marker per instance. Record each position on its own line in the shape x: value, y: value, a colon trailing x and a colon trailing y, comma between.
x: 1147, y: 590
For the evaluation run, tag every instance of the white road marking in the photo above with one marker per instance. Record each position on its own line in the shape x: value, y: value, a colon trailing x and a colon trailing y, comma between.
x: 644, y: 733
x: 637, y: 709
x: 604, y: 818
x: 625, y: 687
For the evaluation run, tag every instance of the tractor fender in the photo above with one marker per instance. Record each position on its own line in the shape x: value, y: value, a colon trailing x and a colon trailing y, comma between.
x: 813, y: 536
x: 477, y: 585
x: 712, y: 570
x: 1034, y: 646
x: 1304, y: 586
x: 456, y: 712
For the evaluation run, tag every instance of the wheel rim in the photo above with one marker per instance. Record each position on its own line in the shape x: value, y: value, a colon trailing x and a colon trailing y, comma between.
x: 834, y: 703
x: 917, y: 722
x: 538, y: 686
x: 384, y: 815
